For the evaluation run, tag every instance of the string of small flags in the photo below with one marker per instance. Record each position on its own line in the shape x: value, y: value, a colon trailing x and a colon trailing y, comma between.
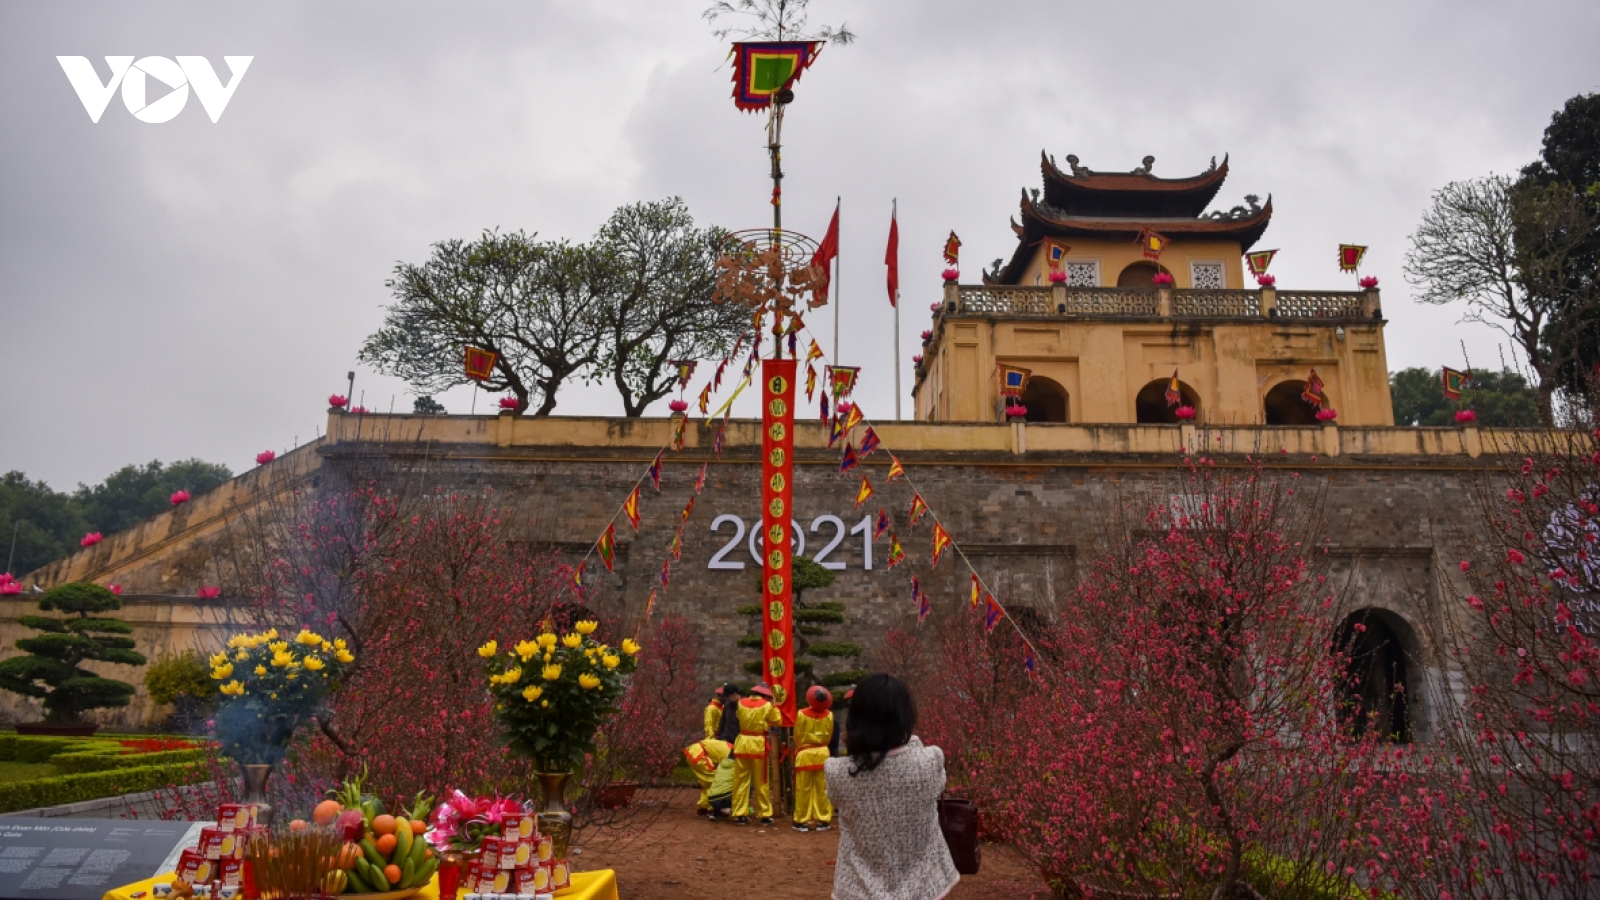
x: 842, y: 379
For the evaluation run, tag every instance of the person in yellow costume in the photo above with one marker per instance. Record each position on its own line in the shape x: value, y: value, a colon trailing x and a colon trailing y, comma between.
x: 728, y: 693
x: 814, y: 740
x: 756, y: 714
x: 704, y: 756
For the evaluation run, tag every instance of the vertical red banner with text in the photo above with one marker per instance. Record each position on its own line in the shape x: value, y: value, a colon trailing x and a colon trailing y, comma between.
x: 777, y: 511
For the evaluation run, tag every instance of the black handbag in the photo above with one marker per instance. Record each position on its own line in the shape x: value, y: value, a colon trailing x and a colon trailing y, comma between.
x: 958, y: 820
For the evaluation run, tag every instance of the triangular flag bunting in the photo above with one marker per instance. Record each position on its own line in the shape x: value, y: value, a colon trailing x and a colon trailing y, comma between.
x: 1313, y: 390
x: 869, y: 443
x: 655, y: 471
x: 607, y: 545
x: 835, y: 431
x: 666, y: 572
x: 919, y: 508
x: 700, y: 482
x: 577, y: 578
x: 677, y: 544
x: 811, y: 381
x: 716, y: 444
x: 895, y: 469
x: 630, y: 507
x: 921, y: 599
x: 1174, y: 393
x: 897, y: 555
x: 976, y: 590
x: 854, y: 417
x: 991, y: 614
x: 688, y: 508
x: 677, y: 433
x: 1350, y: 257
x: 813, y: 353
x: 1453, y: 382
x: 650, y: 604
x: 705, y: 399
x: 863, y: 492
x: 843, y: 379
x: 881, y: 526
x: 823, y: 404
x: 1029, y: 664
x: 941, y: 540
x: 848, y: 461
x: 1258, y: 260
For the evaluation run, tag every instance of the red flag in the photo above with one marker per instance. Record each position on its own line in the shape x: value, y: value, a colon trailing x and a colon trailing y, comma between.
x: 891, y: 258
x: 826, y: 251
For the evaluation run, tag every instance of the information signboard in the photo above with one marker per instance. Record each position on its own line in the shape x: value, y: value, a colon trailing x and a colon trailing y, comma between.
x: 81, y: 859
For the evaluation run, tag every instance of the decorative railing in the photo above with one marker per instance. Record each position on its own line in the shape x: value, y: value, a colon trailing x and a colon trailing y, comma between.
x: 1111, y: 302
x: 1318, y: 305
x: 1216, y: 304
x: 996, y: 300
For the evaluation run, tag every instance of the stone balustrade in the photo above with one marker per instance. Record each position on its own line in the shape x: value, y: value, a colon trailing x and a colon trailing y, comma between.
x: 1060, y: 301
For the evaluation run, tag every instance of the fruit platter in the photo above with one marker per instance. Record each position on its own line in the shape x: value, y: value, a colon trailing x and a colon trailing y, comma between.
x: 384, y: 854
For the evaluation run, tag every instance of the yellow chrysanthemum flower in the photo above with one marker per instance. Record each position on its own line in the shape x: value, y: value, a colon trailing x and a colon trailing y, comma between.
x: 588, y: 682
x: 547, y: 657
x: 546, y: 640
x: 314, y: 663
x: 544, y: 703
x: 261, y: 670
x: 488, y: 650
x: 339, y: 644
x: 552, y: 673
x: 587, y: 626
x: 344, y: 656
x: 223, y: 671
x: 270, y: 634
x: 532, y: 692
x: 610, y: 661
x: 527, y: 650
x: 327, y: 647
x: 242, y: 655
x: 278, y: 646
x: 630, y: 646
x: 233, y: 689
x: 282, y: 659
x: 293, y: 675
x: 236, y: 642
x: 307, y: 638
x: 219, y: 659
x: 572, y: 641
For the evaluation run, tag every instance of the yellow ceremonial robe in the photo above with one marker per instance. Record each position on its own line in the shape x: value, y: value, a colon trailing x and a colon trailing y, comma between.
x: 756, y: 715
x: 713, y: 718
x: 812, y: 731
x: 703, y: 758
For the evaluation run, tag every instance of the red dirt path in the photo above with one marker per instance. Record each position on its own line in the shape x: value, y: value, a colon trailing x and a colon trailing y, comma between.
x: 680, y: 856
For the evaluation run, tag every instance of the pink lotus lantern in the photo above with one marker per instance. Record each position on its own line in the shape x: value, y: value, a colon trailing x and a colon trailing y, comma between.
x: 843, y: 409
x: 115, y: 589
x: 916, y: 360
x: 1368, y: 282
x: 1463, y: 416
x: 951, y: 275
x: 10, y: 588
x: 1016, y: 411
x: 1162, y: 279
x: 1327, y: 415
x: 1184, y: 412
x: 208, y: 592
x: 926, y: 336
x: 1057, y: 276
x: 179, y: 498
x: 678, y: 406
x: 337, y: 401
x: 508, y: 403
x: 265, y: 457
x: 1266, y: 280
x: 358, y: 410
x: 90, y: 539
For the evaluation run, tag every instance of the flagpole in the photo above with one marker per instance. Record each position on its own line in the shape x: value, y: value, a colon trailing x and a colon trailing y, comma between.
x: 838, y: 267
x: 894, y: 216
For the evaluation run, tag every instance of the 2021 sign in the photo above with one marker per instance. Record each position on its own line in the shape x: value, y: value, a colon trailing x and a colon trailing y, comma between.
x: 756, y: 542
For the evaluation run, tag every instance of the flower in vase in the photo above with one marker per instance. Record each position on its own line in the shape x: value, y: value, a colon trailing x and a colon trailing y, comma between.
x: 552, y: 672
x: 588, y: 682
x: 488, y: 650
x: 587, y: 626
x: 572, y: 641
x: 532, y: 692
x: 630, y: 646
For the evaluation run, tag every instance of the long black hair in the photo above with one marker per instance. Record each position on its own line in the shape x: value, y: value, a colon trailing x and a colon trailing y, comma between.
x: 728, y: 728
x: 883, y: 715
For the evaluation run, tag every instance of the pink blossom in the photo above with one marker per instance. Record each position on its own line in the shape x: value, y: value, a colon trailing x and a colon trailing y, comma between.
x: 9, y: 586
x: 916, y: 360
x: 265, y: 457
x: 90, y: 539
x: 358, y: 410
x: 180, y: 497
x: 338, y: 401
x: 935, y: 307
x: 1515, y: 557
x: 1465, y: 565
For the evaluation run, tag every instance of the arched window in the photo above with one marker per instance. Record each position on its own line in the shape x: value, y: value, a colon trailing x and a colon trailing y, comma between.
x: 1284, y: 405
x: 1046, y: 401
x: 1373, y: 645
x: 1140, y: 275
x: 1150, y: 405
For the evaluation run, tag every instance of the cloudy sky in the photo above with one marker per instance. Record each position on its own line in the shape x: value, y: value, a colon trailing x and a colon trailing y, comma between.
x: 197, y: 289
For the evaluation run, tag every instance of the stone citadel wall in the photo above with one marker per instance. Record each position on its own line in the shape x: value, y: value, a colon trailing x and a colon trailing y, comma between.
x: 1028, y: 504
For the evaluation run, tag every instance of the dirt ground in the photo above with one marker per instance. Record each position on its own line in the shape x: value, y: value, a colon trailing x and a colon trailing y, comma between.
x: 680, y: 856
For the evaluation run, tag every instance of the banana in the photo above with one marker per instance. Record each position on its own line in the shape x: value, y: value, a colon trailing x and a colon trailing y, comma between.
x: 358, y: 885
x: 370, y: 851
x: 423, y: 873
x: 373, y: 875
x: 408, y: 871
x: 402, y: 846
x: 419, y: 850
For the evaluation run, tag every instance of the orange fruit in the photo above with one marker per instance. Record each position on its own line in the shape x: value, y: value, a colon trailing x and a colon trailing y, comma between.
x: 386, y: 844
x: 298, y: 825
x: 326, y: 812
x: 418, y: 827
x: 392, y: 872
x: 383, y: 824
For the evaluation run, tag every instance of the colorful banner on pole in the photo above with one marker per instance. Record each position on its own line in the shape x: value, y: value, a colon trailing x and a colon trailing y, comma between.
x: 777, y: 500
x: 480, y: 363
x: 1453, y: 382
x: 1258, y: 260
x: 1350, y: 257
x: 761, y: 69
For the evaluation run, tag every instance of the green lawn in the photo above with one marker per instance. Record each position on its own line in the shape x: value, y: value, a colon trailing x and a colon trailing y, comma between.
x: 16, y: 771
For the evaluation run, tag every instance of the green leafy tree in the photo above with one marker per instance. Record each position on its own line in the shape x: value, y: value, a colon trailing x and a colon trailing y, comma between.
x: 1500, y: 399
x: 135, y: 493
x: 425, y: 405
x: 658, y: 275
x: 47, y: 524
x: 183, y: 680
x: 53, y: 670
x: 530, y: 301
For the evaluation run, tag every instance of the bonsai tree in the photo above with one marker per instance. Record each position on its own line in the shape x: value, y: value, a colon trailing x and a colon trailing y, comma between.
x: 811, y: 621
x: 52, y: 670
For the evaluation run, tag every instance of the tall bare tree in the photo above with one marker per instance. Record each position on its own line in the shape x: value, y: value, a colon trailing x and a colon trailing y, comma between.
x: 1509, y: 252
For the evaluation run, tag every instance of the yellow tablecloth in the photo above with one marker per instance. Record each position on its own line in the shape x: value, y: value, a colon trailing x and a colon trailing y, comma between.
x: 598, y: 885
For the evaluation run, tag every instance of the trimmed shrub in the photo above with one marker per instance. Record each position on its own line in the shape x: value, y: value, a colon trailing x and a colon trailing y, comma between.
x: 834, y: 649
x: 63, y: 789
x: 840, y: 679
x: 78, y: 763
x: 52, y: 671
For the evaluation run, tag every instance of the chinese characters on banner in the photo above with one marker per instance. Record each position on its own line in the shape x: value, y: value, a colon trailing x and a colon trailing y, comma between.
x: 777, y: 496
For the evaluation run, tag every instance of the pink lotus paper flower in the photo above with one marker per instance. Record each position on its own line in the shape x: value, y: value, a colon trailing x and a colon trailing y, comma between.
x: 358, y: 410
x: 916, y: 360
x: 265, y: 457
x: 1464, y: 416
x: 1184, y: 412
x: 338, y: 401
x: 935, y: 307
x: 1327, y: 415
x: 92, y: 538
x: 927, y: 335
x: 179, y: 497
x: 10, y: 588
x: 951, y: 274
x: 1016, y: 411
x: 115, y: 589
x: 843, y: 409
x: 678, y: 406
x: 1161, y: 279
x: 1465, y: 565
x: 508, y: 403
x: 208, y: 592
x: 1058, y: 276
x: 1368, y: 282
x: 1266, y: 280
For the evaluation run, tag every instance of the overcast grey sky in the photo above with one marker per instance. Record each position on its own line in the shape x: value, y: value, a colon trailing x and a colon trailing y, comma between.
x: 198, y: 289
